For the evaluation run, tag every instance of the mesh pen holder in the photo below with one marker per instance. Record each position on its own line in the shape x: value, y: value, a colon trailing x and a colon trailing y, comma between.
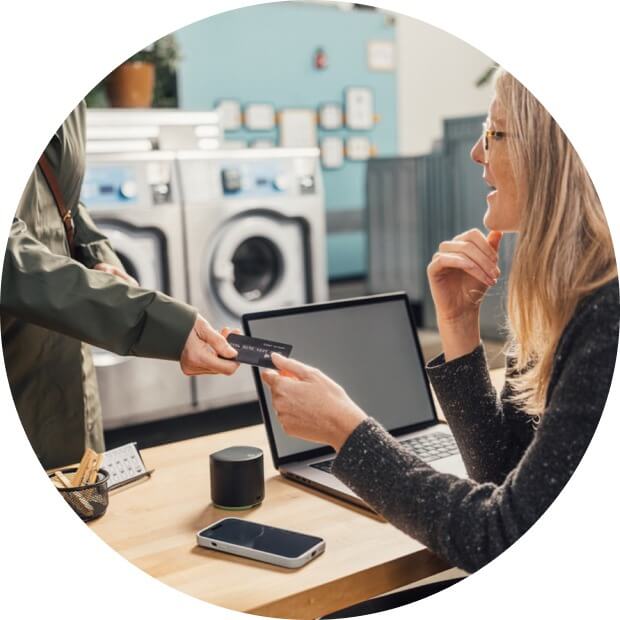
x: 89, y: 501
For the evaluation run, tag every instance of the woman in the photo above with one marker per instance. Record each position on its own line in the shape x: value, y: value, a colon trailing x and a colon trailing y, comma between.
x: 563, y: 317
x: 62, y: 287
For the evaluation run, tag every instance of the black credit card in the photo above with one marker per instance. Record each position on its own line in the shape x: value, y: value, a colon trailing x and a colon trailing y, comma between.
x: 256, y: 351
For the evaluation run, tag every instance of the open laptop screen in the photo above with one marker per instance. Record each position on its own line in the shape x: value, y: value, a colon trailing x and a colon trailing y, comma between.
x: 367, y: 345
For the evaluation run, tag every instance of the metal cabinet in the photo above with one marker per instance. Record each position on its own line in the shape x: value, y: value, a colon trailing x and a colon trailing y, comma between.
x: 414, y: 203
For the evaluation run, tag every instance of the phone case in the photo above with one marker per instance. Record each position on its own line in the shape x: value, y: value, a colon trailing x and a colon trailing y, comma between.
x: 262, y: 556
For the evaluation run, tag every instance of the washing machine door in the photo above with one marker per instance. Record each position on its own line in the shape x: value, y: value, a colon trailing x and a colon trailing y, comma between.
x: 142, y: 253
x: 141, y: 250
x: 257, y: 262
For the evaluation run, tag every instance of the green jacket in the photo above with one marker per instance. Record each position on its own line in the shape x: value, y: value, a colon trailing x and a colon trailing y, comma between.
x: 51, y: 305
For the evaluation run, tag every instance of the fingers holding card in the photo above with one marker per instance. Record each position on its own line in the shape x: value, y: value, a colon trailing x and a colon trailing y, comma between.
x: 257, y: 351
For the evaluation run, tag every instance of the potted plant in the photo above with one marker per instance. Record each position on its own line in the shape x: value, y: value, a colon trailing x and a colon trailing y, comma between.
x: 132, y: 84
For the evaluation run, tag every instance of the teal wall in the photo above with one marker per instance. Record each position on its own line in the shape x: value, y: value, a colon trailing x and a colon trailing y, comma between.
x: 264, y: 54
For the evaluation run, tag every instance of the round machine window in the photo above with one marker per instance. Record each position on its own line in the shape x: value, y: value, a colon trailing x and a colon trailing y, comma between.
x: 257, y: 266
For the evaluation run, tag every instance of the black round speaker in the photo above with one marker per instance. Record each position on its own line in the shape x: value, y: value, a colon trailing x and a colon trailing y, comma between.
x: 237, y: 477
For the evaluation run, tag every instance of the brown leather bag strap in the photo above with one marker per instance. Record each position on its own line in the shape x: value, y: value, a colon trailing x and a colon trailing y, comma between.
x: 65, y: 214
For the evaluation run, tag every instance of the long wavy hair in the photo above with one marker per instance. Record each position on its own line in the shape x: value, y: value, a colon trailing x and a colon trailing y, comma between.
x: 564, y: 249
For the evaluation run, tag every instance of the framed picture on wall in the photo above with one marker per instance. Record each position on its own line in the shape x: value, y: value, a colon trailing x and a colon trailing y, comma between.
x: 332, y: 152
x: 259, y: 116
x: 381, y: 55
x: 297, y: 127
x: 359, y: 108
x: 330, y: 116
x: 230, y: 114
x: 358, y: 148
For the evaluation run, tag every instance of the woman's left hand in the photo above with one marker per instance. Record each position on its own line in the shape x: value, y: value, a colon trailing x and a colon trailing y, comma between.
x: 309, y: 404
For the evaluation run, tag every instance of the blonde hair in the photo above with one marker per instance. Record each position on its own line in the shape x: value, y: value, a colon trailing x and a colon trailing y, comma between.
x: 564, y: 249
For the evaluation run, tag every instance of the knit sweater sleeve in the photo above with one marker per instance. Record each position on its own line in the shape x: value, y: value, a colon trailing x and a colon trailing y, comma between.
x: 491, y: 433
x: 469, y: 523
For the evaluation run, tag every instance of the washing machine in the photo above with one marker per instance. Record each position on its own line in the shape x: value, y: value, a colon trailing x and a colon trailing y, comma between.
x: 134, y: 200
x: 255, y: 234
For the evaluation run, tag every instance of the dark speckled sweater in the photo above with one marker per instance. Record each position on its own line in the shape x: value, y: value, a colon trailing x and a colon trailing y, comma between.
x: 516, y: 469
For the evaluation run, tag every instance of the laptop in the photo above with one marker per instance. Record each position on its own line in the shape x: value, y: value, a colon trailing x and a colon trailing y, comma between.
x: 369, y: 345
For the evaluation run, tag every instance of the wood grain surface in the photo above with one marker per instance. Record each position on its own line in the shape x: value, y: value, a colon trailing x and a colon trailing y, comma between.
x: 153, y: 523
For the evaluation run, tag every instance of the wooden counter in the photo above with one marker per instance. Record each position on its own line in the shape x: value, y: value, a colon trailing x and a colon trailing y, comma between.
x: 153, y: 525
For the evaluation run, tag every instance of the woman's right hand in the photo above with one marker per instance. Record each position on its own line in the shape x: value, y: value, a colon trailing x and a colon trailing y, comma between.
x: 460, y: 273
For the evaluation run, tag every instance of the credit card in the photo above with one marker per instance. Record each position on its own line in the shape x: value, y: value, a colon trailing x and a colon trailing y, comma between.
x: 256, y: 351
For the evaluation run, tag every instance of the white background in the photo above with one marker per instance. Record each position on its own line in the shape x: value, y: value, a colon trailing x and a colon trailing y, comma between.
x: 54, y: 52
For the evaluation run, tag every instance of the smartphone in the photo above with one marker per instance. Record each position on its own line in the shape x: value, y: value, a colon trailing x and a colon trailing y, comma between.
x: 261, y: 542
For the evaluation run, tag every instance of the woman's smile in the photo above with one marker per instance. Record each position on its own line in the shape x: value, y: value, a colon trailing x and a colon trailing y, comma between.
x: 491, y: 187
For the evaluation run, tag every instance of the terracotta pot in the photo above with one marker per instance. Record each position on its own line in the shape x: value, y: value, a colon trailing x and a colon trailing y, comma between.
x: 131, y: 85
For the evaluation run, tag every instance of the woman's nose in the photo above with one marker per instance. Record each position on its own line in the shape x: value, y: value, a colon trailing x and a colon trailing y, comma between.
x: 477, y: 152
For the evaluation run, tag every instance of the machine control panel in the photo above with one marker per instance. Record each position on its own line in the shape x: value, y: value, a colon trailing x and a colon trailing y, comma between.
x: 231, y: 180
x: 127, y: 184
x: 253, y: 179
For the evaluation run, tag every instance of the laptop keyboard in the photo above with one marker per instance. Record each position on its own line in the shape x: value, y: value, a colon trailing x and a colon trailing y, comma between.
x: 433, y: 446
x: 429, y: 448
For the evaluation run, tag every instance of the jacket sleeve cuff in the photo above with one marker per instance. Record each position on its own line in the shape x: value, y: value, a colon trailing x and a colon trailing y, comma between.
x: 366, y: 458
x: 165, y: 316
x: 449, y: 379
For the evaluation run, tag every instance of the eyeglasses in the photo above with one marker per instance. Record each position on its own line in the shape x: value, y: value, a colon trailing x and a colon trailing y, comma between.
x: 489, y: 133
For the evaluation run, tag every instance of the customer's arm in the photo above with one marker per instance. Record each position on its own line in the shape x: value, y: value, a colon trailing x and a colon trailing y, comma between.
x: 58, y: 293
x: 492, y: 434
x: 469, y: 523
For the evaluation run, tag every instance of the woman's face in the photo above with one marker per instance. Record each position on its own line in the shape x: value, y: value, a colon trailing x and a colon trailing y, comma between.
x: 503, y: 212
